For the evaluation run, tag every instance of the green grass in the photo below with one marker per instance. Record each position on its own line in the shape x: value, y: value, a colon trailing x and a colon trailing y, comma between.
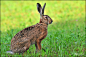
x: 66, y: 35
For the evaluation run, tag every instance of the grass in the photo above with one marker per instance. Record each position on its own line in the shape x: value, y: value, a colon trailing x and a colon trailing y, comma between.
x: 66, y: 35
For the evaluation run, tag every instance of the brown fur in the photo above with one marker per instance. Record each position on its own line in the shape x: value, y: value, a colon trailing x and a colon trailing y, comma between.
x: 31, y: 35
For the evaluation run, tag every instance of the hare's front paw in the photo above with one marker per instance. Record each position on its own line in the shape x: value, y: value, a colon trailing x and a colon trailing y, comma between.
x: 37, y: 50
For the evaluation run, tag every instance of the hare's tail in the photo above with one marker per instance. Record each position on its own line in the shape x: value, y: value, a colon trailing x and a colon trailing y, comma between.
x: 10, y: 52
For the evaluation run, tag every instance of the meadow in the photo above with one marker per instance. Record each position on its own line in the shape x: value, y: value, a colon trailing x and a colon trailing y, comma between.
x: 66, y: 35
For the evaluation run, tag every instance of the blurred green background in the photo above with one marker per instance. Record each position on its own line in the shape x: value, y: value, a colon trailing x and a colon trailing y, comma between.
x: 66, y: 35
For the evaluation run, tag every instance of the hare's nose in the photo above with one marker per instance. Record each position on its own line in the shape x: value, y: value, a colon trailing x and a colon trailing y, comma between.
x: 51, y: 21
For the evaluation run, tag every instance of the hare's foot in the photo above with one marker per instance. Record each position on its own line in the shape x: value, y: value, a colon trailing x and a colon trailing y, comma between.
x: 25, y: 48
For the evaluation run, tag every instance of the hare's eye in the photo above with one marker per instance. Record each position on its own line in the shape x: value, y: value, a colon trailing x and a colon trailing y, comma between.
x: 46, y: 17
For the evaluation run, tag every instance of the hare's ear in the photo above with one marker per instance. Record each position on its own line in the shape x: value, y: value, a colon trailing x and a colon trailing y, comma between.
x: 43, y: 9
x: 39, y: 8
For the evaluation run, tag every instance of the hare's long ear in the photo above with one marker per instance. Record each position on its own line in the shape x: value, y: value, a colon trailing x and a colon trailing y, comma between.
x: 43, y: 9
x: 39, y: 8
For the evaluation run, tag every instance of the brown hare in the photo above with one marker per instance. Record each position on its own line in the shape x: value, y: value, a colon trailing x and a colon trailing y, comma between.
x: 31, y: 35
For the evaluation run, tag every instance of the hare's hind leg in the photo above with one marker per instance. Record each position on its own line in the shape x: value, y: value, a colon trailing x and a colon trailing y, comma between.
x: 26, y: 47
